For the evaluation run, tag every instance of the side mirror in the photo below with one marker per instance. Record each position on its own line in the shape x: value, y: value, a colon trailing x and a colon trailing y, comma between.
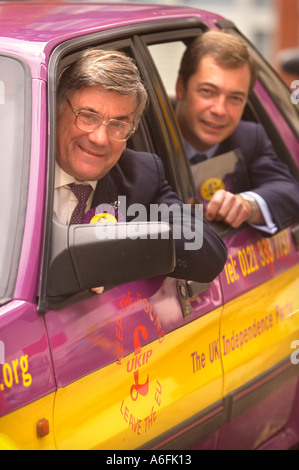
x: 87, y: 256
x: 289, y: 60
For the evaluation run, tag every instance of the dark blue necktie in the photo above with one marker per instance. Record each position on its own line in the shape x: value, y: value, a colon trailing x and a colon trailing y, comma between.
x: 198, y: 158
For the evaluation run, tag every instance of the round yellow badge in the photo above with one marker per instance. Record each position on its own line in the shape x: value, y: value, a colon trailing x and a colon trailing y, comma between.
x: 210, y: 187
x: 103, y: 218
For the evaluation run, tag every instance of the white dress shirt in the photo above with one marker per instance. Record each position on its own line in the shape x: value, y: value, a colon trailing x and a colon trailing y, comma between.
x: 65, y: 200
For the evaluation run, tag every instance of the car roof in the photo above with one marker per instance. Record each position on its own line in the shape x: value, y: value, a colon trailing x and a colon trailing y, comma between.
x: 31, y: 30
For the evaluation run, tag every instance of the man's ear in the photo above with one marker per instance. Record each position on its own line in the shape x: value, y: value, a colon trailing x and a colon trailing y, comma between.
x: 180, y: 88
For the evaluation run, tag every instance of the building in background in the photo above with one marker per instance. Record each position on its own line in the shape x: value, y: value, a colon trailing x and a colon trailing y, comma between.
x: 287, y: 34
x: 271, y: 25
x: 257, y: 19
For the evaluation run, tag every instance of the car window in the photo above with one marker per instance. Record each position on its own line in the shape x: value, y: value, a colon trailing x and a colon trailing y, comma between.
x: 168, y: 69
x: 167, y: 58
x: 257, y: 109
x: 13, y: 170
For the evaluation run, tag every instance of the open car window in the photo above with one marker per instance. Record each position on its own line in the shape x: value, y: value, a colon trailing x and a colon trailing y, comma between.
x: 223, y: 172
x: 205, y: 176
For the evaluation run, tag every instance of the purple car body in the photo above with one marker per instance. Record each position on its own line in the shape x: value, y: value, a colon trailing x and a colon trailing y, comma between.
x: 50, y: 343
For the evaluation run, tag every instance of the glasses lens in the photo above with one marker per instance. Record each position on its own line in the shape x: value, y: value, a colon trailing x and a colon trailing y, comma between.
x: 119, y: 130
x: 87, y: 121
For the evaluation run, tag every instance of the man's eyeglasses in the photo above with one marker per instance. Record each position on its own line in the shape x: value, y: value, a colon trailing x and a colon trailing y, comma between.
x: 89, y: 121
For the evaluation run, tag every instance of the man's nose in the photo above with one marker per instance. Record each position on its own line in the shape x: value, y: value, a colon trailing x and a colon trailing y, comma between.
x: 219, y: 105
x: 100, y: 135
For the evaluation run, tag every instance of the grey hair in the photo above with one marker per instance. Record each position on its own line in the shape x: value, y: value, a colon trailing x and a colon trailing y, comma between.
x: 112, y: 70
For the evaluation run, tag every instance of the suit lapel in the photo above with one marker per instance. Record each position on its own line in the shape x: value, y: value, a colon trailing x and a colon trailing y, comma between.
x: 106, y: 191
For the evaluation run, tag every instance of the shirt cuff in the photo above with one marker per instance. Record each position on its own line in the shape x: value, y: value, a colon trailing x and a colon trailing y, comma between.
x: 269, y: 227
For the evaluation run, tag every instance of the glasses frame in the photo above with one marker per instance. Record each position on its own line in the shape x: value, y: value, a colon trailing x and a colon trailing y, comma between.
x: 103, y: 123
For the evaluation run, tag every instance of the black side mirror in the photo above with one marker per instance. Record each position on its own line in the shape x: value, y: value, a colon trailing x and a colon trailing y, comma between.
x: 87, y: 256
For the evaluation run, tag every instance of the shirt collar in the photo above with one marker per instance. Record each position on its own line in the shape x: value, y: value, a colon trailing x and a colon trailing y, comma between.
x: 63, y: 179
x: 191, y: 151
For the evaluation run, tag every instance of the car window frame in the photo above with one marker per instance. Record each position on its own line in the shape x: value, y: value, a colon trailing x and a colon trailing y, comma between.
x: 223, y: 231
x: 63, y: 54
x: 20, y: 213
x: 254, y: 107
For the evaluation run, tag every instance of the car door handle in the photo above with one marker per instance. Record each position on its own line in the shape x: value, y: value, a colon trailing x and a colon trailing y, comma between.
x: 196, y: 288
x: 188, y: 290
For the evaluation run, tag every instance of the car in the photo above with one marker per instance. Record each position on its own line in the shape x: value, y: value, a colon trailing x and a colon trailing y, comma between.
x: 154, y: 362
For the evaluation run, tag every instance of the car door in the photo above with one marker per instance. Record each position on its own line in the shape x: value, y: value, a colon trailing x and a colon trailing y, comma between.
x: 258, y: 326
x: 260, y: 280
x: 27, y: 384
x: 260, y: 285
x: 138, y: 366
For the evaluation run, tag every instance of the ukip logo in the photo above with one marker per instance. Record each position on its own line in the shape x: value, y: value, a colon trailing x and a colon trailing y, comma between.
x: 104, y: 214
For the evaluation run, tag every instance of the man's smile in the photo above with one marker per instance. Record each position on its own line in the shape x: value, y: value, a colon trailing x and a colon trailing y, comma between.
x: 212, y: 125
x: 91, y: 152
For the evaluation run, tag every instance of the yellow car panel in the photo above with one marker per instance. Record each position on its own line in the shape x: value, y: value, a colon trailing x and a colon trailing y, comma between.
x: 103, y: 410
x: 20, y: 429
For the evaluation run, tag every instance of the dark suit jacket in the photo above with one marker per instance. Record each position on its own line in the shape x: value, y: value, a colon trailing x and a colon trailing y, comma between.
x: 140, y: 177
x: 269, y: 177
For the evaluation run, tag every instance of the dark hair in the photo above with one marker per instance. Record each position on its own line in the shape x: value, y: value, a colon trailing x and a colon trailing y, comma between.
x: 227, y: 51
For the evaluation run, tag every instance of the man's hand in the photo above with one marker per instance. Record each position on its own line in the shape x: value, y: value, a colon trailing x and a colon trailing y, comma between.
x: 98, y: 290
x: 232, y: 209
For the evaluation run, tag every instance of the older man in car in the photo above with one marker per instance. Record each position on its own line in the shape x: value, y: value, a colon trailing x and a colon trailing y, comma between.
x: 100, y: 101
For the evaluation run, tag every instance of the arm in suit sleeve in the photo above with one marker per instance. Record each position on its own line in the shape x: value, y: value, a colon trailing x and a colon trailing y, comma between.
x: 207, y: 260
x: 272, y: 180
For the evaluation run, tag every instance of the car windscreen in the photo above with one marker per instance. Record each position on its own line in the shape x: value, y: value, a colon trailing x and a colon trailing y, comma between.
x: 14, y: 166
